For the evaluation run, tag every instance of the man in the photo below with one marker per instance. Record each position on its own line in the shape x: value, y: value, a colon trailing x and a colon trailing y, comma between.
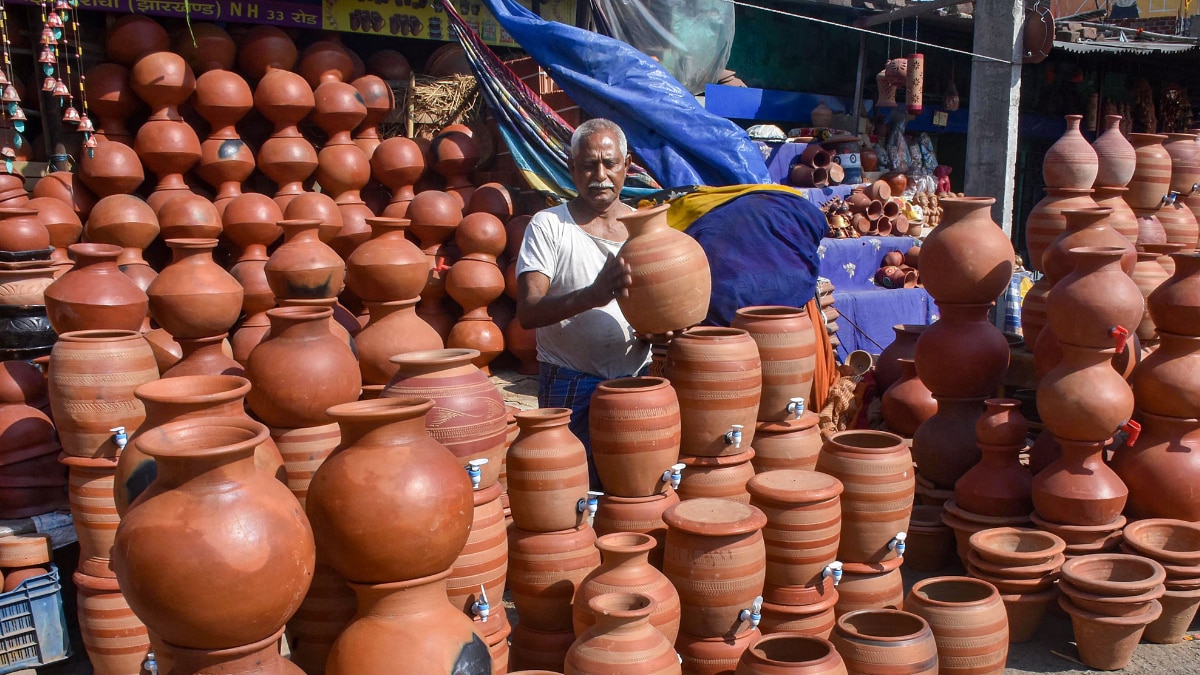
x: 569, y: 278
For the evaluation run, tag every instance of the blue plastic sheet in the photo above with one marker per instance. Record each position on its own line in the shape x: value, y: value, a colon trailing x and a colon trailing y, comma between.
x: 677, y: 140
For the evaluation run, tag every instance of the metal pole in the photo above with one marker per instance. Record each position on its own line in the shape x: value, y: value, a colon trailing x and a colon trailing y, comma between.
x: 858, y: 81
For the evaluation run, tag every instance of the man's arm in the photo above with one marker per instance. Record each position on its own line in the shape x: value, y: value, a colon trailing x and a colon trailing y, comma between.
x: 535, y: 309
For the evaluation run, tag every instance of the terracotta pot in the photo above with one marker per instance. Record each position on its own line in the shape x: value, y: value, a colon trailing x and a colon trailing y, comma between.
x: 710, y: 539
x: 397, y: 163
x: 785, y: 654
x: 786, y: 342
x: 793, y: 444
x: 1179, y: 225
x: 622, y: 635
x: 484, y: 559
x: 1178, y: 610
x: 1079, y: 489
x: 1185, y: 161
x: 804, y: 523
x: 207, y: 607
x: 1165, y: 540
x: 111, y: 101
x: 389, y: 432
x: 999, y: 485
x: 717, y: 375
x: 930, y: 541
x: 1175, y: 305
x: 967, y: 258
x: 1117, y: 158
x: 870, y: 586
x: 886, y: 636
x: 394, y: 329
x: 264, y: 48
x: 723, y: 477
x: 713, y: 655
x: 1152, y: 174
x: 90, y: 366
x: 127, y: 221
x: 635, y: 434
x: 815, y: 619
x: 908, y: 402
x: 670, y: 285
x: 1162, y: 383
x: 1033, y: 312
x: 1150, y: 229
x: 388, y: 267
x: 547, y: 472
x: 1071, y: 162
x: 1164, y: 252
x: 1083, y: 398
x: 1110, y: 605
x: 474, y: 282
x: 625, y: 567
x: 1085, y: 227
x: 205, y: 356
x: 968, y: 621
x: 93, y: 510
x: 1122, y: 219
x: 95, y: 294
x: 1148, y: 274
x: 1106, y: 642
x: 22, y: 230
x: 545, y: 571
x: 303, y: 451
x: 482, y: 336
x: 408, y: 622
x: 468, y: 416
x: 1159, y: 467
x: 537, y: 650
x: 1096, y: 296
x: 300, y: 349
x: 304, y: 267
x: 903, y: 346
x: 876, y: 470
x: 115, y: 640
x: 1084, y: 539
x: 639, y: 515
x: 522, y: 344
x: 247, y: 336
x: 1046, y: 222
x: 193, y: 297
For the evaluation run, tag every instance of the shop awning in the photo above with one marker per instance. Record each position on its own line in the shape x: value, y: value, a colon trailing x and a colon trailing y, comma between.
x: 1116, y: 47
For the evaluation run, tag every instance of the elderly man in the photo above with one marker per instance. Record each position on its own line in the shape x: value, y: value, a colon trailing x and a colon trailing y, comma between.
x: 569, y: 277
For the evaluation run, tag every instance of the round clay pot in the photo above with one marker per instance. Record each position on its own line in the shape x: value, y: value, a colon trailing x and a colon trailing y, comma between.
x: 494, y: 199
x: 815, y: 619
x: 304, y: 267
x: 545, y: 570
x: 1179, y: 225
x: 66, y: 187
x: 347, y: 491
x: 22, y: 230
x: 300, y: 349
x: 903, y: 346
x: 908, y: 402
x: 634, y: 424
x: 899, y: 639
x: 1096, y: 296
x: 133, y: 36
x: 1117, y: 158
x: 193, y: 297
x: 670, y: 284
x: 622, y: 636
x: 875, y: 469
x: 710, y: 406
x: 1159, y: 467
x: 793, y: 444
x: 1152, y: 173
x: 251, y: 221
x: 94, y: 294
x: 397, y: 163
x: 1163, y: 383
x: 788, y: 654
x: 388, y: 267
x: 1070, y: 162
x: 709, y: 540
x: 316, y: 206
x: 536, y: 650
x: 189, y: 216
x: 1085, y: 227
x: 803, y: 529
x: 547, y: 472
x: 394, y: 329
x: 870, y: 586
x: 785, y: 340
x: 625, y: 567
x: 999, y: 485
x: 968, y: 621
x: 1107, y: 642
x: 1176, y: 303
x: 1046, y: 222
x: 115, y: 639
x: 722, y: 477
x: 1083, y: 398
x: 196, y: 596
x: 636, y: 514
x: 266, y: 48
x: 1079, y: 488
x: 1001, y: 423
x: 967, y: 258
x: 111, y: 101
x: 474, y: 282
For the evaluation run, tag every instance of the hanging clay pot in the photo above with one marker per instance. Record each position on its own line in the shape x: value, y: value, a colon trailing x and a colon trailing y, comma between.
x: 634, y: 424
x: 1117, y: 158
x: 663, y: 298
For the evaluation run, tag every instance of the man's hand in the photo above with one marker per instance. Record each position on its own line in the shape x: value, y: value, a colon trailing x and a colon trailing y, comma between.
x: 657, y: 338
x: 612, y: 282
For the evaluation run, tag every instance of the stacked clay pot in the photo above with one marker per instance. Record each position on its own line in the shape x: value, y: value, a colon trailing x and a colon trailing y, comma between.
x: 474, y: 281
x: 791, y: 653
x: 625, y: 568
x: 1083, y: 400
x: 1160, y: 461
x: 802, y: 534
x: 871, y: 639
x: 434, y: 216
x: 966, y: 263
x: 287, y: 158
x: 875, y: 469
x: 1150, y: 187
x: 1111, y: 598
x: 717, y: 376
x: 34, y: 482
x: 907, y: 403
x: 716, y: 558
x: 28, y: 267
x: 1178, y: 221
x: 166, y: 143
x: 968, y: 621
x: 1174, y: 544
x: 551, y: 546
x: 343, y: 168
x: 622, y: 638
x: 1022, y: 564
x: 222, y: 99
x: 930, y: 541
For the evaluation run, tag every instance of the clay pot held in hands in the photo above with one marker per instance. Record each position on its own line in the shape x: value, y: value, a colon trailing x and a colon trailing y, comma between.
x: 671, y: 282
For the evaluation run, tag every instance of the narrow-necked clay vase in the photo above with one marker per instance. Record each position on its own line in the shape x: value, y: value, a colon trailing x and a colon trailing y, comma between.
x: 547, y: 472
x: 634, y: 423
x: 1176, y: 301
x: 1160, y: 466
x: 671, y: 283
x: 625, y: 567
x: 387, y: 462
x: 791, y: 654
x: 1079, y: 488
x: 903, y: 346
x: 908, y: 402
x: 1070, y: 162
x: 1095, y: 297
x: 1152, y: 173
x: 244, y: 583
x: 94, y: 294
x: 1115, y: 153
x: 967, y: 258
x: 787, y: 348
x: 622, y: 638
x: 304, y: 267
x: 193, y: 297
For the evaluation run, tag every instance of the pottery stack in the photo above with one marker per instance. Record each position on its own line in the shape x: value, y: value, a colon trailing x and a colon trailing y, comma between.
x: 251, y: 222
x: 166, y: 144
x: 27, y: 268
x: 1188, y: 194
x: 786, y: 433
x: 802, y: 535
x: 223, y: 98
x: 1178, y: 220
x: 551, y: 546
x: 1174, y: 544
x: 1161, y: 461
x: 434, y: 217
x: 1023, y: 565
x: 1111, y: 598
x: 996, y: 492
x: 1083, y: 401
x: 966, y: 263
x: 1150, y: 187
x: 717, y: 375
x: 34, y: 482
x: 716, y: 558
x: 475, y: 281
x: 875, y: 470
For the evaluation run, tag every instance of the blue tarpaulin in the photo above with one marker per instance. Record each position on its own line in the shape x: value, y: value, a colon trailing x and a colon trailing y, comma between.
x: 677, y: 140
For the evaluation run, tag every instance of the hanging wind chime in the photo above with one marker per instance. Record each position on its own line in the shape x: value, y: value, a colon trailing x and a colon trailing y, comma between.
x: 914, y: 89
x: 9, y: 99
x: 59, y: 48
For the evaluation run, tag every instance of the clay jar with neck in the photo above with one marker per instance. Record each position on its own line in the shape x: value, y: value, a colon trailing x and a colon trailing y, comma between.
x: 623, y: 635
x: 625, y: 566
x: 95, y: 294
x: 394, y: 328
x: 999, y: 485
x: 1085, y: 227
x: 968, y: 258
x: 397, y: 163
x: 547, y: 472
x: 304, y: 267
x: 907, y: 403
x: 1079, y: 488
x: 1161, y: 467
x: 1095, y: 297
x: 1117, y: 158
x: 193, y: 297
x: 903, y: 346
x: 663, y: 298
x: 389, y: 266
x: 1046, y: 222
x: 1071, y: 162
x: 287, y: 158
x: 166, y: 144
x: 1122, y: 219
x: 1175, y: 304
x: 222, y: 98
x: 195, y: 582
x: 1152, y: 172
x: 963, y: 354
x: 1165, y: 383
x: 251, y: 222
x: 1083, y: 398
x: 1148, y: 274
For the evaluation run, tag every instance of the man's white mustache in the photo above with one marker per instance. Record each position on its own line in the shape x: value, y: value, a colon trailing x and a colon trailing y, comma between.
x: 608, y: 184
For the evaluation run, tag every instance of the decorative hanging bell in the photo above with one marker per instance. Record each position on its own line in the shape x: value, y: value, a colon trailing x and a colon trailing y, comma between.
x: 85, y: 124
x: 10, y: 94
x: 48, y: 36
x: 3, y: 78
x: 17, y: 115
x: 49, y: 83
x: 60, y: 90
x: 47, y: 56
x: 62, y: 5
x: 54, y: 20
x: 71, y: 115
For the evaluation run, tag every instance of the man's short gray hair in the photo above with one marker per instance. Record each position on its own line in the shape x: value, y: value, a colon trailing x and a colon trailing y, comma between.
x: 595, y: 125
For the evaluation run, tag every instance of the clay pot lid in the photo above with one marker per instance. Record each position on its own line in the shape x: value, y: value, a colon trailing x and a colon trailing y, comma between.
x: 25, y: 550
x: 1145, y: 618
x: 714, y: 517
x: 1020, y: 547
x: 1175, y: 542
x: 793, y: 486
x: 1113, y: 573
x: 715, y: 462
x: 873, y: 568
x: 954, y: 509
x: 807, y: 420
x: 954, y: 591
x: 1016, y: 571
x: 882, y: 625
x: 635, y: 384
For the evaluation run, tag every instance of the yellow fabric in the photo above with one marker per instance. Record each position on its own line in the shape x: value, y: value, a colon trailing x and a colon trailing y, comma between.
x: 686, y: 209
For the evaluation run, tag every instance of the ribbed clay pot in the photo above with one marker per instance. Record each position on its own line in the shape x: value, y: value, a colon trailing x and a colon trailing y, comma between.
x: 876, y: 471
x: 1079, y: 488
x: 710, y: 540
x: 815, y: 619
x: 1160, y: 468
x: 967, y: 258
x: 1123, y: 219
x: 635, y: 432
x: 1070, y: 162
x: 723, y: 477
x: 870, y: 586
x: 636, y: 514
x: 484, y: 559
x: 713, y: 655
x: 968, y: 621
x: 624, y: 568
x: 717, y: 374
x: 903, y: 641
x: 804, y: 525
x: 1115, y: 153
x: 791, y: 655
x: 671, y: 281
x: 787, y: 349
x: 1185, y: 161
x: 1152, y: 173
x: 792, y: 444
x: 622, y: 638
x: 1046, y: 222
x: 908, y: 402
x: 115, y: 640
x: 547, y: 472
x: 380, y: 437
x: 544, y: 571
x: 94, y: 294
x: 1175, y: 304
x: 1179, y: 225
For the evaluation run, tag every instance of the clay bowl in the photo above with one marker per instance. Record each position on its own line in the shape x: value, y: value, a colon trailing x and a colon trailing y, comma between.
x: 1120, y: 605
x: 1006, y: 571
x: 1174, y: 572
x: 1079, y: 535
x: 1113, y: 574
x: 1174, y: 542
x: 1017, y: 547
x: 1014, y: 586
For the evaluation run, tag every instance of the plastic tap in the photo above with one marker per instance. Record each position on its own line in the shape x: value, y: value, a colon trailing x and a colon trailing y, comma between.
x: 897, y: 543
x: 1168, y: 199
x: 753, y: 613
x: 673, y: 475
x: 734, y: 436
x: 1120, y: 336
x: 796, y: 406
x: 475, y: 471
x: 482, y: 608
x: 1132, y: 430
x: 150, y: 665
x: 589, y: 503
x: 120, y: 437
x: 833, y: 569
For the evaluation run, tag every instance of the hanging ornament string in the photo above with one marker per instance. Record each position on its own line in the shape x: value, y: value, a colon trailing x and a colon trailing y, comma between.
x: 85, y: 122
x: 10, y: 99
